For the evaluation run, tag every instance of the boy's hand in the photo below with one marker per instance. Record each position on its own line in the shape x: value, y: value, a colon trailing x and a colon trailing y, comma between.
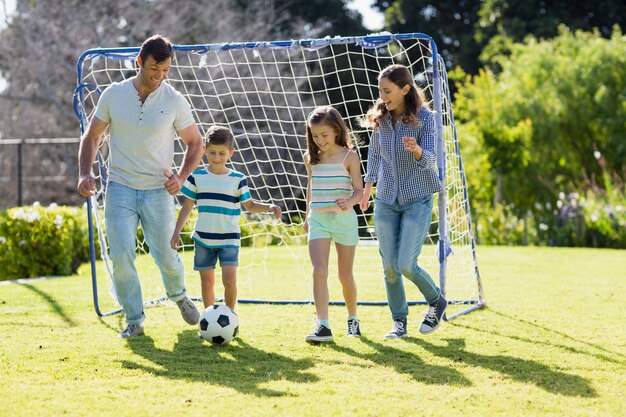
x: 305, y: 227
x: 276, y: 210
x: 175, y: 240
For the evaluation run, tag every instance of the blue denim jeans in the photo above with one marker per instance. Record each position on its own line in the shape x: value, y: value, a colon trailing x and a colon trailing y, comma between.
x: 124, y: 209
x: 401, y: 231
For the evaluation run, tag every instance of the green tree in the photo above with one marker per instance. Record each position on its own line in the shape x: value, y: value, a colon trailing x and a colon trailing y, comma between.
x: 545, y: 118
x: 463, y: 28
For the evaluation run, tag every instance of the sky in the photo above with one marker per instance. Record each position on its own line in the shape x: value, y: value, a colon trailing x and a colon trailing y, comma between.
x: 372, y: 19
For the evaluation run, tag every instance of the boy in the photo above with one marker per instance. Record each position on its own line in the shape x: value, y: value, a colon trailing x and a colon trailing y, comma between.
x: 219, y: 193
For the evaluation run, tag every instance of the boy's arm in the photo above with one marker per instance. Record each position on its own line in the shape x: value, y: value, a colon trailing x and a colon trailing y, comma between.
x: 183, y: 216
x: 256, y: 207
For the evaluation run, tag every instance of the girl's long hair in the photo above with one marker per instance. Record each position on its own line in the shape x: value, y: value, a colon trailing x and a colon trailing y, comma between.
x: 414, y: 99
x: 326, y: 115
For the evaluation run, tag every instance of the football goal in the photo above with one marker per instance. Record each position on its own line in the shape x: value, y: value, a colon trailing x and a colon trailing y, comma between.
x: 263, y: 92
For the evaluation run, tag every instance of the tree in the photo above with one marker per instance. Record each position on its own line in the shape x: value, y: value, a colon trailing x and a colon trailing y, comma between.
x: 545, y: 117
x: 451, y: 24
x: 463, y: 28
x: 42, y: 41
x: 40, y: 46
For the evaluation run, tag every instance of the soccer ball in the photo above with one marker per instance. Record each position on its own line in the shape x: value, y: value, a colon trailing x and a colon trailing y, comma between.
x: 218, y: 324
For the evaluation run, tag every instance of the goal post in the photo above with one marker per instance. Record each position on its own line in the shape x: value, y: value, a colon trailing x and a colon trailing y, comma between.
x: 263, y: 92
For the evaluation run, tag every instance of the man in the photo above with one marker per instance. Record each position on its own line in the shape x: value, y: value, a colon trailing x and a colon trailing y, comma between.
x: 143, y: 114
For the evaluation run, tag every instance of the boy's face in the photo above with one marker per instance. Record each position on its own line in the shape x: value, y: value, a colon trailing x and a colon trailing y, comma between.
x: 218, y: 155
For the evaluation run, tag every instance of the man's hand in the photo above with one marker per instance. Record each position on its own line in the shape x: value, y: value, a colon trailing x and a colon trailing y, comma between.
x: 175, y: 240
x: 86, y: 186
x: 174, y: 183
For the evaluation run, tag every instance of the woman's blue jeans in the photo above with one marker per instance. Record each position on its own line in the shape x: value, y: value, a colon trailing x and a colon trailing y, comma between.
x: 124, y: 209
x: 401, y: 231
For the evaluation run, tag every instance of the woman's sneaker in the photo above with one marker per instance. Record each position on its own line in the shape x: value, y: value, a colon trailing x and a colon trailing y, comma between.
x: 354, y: 328
x: 398, y: 330
x: 320, y: 335
x: 434, y: 315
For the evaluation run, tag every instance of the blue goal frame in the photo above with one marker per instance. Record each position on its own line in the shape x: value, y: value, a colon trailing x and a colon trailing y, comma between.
x: 369, y: 41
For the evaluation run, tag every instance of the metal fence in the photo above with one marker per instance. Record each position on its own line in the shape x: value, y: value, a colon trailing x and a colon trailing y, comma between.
x: 39, y: 169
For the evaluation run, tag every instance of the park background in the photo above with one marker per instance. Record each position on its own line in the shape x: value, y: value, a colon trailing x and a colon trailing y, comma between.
x: 540, y: 105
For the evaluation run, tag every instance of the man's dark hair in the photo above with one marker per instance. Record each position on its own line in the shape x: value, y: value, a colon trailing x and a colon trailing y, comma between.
x: 158, y: 47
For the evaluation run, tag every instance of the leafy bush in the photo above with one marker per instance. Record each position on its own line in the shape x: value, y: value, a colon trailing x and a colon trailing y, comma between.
x: 500, y: 226
x: 39, y: 241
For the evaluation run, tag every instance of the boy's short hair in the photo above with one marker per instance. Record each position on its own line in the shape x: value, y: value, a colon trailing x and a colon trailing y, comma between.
x: 219, y: 135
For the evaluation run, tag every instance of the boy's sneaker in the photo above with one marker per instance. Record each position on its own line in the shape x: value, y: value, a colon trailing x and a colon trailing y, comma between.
x: 133, y: 330
x: 188, y: 310
x: 320, y: 335
x: 354, y: 328
x: 434, y: 315
x: 398, y: 330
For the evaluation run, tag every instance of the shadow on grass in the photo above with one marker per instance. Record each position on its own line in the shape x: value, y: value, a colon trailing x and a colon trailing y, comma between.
x: 571, y: 349
x: 52, y: 302
x: 406, y: 363
x: 521, y: 370
x: 237, y: 365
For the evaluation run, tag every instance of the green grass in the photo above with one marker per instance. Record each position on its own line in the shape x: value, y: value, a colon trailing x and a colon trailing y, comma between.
x: 551, y: 342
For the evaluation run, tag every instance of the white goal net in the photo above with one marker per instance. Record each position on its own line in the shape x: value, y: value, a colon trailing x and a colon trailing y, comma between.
x: 263, y: 92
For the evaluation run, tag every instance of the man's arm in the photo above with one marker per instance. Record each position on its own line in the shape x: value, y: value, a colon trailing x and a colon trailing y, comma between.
x: 193, y: 154
x: 89, y: 144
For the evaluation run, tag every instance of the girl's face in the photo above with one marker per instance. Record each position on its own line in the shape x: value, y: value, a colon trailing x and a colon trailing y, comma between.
x: 393, y: 96
x: 324, y: 136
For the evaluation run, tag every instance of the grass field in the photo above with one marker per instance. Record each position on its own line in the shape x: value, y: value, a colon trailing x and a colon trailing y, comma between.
x: 552, y: 342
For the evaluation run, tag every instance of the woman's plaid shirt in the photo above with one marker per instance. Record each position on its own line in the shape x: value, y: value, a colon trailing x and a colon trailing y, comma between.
x: 398, y: 175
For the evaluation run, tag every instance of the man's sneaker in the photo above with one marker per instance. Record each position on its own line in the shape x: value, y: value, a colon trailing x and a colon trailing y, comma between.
x: 188, y: 310
x: 434, y: 315
x: 354, y: 329
x: 398, y: 330
x: 320, y: 335
x: 133, y: 330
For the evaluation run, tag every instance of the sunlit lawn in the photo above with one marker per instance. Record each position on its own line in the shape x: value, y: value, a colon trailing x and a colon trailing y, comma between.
x: 552, y: 341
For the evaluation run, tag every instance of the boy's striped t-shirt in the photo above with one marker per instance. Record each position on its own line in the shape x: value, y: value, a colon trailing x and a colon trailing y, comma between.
x: 219, y: 199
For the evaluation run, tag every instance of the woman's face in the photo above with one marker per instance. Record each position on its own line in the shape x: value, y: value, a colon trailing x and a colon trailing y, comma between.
x: 392, y: 96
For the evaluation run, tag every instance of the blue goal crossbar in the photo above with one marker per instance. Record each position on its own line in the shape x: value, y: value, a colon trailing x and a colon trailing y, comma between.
x: 366, y: 42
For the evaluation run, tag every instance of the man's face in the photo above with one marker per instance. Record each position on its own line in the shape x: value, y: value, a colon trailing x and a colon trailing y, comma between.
x: 152, y: 73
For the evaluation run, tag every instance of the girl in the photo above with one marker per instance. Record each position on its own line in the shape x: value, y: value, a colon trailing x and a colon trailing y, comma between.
x: 334, y: 187
x: 402, y: 163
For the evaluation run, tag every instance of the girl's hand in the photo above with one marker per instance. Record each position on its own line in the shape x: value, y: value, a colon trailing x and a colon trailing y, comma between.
x: 305, y: 227
x: 365, y: 199
x: 343, y: 204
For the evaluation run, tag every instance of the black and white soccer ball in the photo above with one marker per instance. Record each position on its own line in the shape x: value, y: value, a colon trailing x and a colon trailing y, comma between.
x: 218, y: 324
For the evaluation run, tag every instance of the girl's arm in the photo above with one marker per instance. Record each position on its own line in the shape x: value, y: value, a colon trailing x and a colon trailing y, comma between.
x: 305, y: 226
x: 353, y: 166
x: 373, y: 164
x: 183, y: 216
